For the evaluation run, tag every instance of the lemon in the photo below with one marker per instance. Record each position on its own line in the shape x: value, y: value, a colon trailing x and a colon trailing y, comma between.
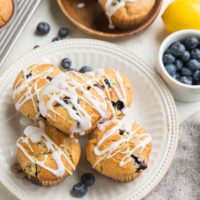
x: 182, y: 14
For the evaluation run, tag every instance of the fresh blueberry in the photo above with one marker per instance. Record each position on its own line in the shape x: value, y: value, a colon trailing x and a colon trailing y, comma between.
x: 171, y: 69
x: 168, y: 59
x: 186, y: 80
x: 179, y: 64
x: 177, y: 76
x: 185, y: 57
x: 66, y: 63
x: 186, y: 72
x: 85, y: 69
x: 55, y: 39
x: 43, y: 28
x: 193, y: 64
x: 36, y: 46
x: 79, y: 190
x: 191, y: 42
x: 196, y: 76
x: 177, y: 49
x: 196, y: 54
x: 88, y: 179
x: 63, y: 32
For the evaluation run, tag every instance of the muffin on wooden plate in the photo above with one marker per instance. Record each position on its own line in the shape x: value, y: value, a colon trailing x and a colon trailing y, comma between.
x: 6, y: 11
x: 126, y: 14
x: 119, y: 150
x: 46, y: 155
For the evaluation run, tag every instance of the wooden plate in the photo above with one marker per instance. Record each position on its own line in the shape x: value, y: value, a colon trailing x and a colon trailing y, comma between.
x: 91, y: 20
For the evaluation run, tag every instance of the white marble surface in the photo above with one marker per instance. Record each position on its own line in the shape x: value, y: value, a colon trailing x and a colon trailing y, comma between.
x: 145, y: 45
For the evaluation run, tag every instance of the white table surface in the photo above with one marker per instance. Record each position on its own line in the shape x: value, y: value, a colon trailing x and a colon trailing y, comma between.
x: 145, y: 45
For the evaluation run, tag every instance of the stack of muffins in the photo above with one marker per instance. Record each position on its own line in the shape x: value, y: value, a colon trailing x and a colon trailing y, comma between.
x: 67, y: 105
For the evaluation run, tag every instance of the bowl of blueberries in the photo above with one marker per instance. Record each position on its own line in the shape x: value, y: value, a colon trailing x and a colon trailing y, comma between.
x: 179, y: 64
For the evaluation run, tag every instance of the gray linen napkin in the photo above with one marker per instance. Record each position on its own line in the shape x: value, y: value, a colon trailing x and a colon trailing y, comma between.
x: 183, y: 179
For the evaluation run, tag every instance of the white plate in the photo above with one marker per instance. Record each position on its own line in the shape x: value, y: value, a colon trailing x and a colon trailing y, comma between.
x: 153, y: 108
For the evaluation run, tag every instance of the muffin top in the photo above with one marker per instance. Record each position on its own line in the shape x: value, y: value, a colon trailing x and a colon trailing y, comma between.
x: 82, y: 100
x: 121, y: 144
x: 6, y: 11
x: 48, y: 151
x: 28, y: 85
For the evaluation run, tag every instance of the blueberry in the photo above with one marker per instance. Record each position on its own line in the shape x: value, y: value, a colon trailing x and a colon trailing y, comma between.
x: 193, y: 65
x: 196, y: 76
x: 186, y: 80
x: 185, y: 57
x: 85, y: 69
x: 171, y: 69
x: 88, y: 179
x: 63, y: 32
x: 66, y: 63
x: 179, y: 64
x: 36, y: 46
x: 168, y: 59
x: 79, y: 190
x: 43, y: 28
x: 177, y: 76
x: 196, y: 54
x: 177, y: 49
x: 186, y: 72
x: 191, y: 43
x: 55, y: 39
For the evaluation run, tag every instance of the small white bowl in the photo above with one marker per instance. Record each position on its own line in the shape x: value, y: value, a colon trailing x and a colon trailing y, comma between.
x: 180, y: 91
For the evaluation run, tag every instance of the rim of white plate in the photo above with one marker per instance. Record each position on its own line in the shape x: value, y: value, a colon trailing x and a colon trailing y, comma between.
x: 156, y: 81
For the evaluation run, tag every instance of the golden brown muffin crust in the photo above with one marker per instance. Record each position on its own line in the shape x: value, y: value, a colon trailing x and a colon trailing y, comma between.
x: 6, y: 11
x: 93, y: 96
x: 39, y: 151
x: 110, y: 165
x: 33, y: 78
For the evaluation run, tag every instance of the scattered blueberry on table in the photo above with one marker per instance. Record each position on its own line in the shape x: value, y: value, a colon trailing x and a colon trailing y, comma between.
x: 43, y: 28
x: 55, y: 39
x: 66, y: 63
x: 88, y: 179
x: 80, y: 189
x: 182, y: 60
x: 36, y: 46
x: 63, y: 32
x: 85, y: 69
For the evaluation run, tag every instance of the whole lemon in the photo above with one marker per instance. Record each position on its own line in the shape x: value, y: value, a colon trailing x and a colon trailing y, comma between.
x: 182, y: 14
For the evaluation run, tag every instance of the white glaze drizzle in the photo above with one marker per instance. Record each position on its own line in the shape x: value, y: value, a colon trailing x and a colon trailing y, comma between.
x: 29, y: 89
x: 112, y: 6
x: 120, y: 146
x: 37, y: 135
x: 65, y: 85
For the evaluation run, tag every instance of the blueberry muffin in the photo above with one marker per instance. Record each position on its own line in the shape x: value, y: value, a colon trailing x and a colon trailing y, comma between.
x: 75, y: 102
x: 46, y: 155
x: 28, y: 85
x: 6, y: 11
x: 126, y: 14
x: 118, y: 90
x: 119, y: 150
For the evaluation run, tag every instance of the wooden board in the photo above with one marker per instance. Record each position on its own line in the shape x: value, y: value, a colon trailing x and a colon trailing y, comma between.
x: 91, y: 19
